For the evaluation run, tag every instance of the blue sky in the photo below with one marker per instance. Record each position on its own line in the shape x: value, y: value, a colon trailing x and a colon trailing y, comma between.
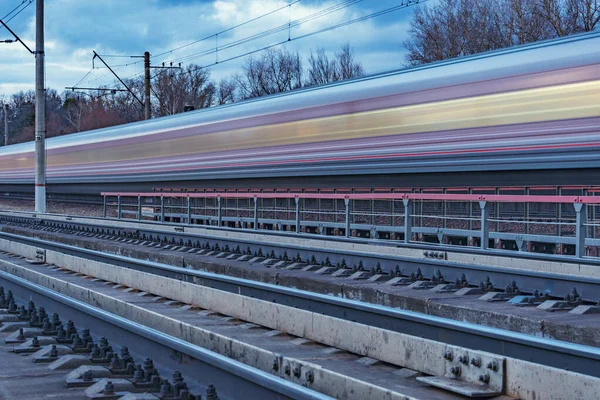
x: 74, y: 28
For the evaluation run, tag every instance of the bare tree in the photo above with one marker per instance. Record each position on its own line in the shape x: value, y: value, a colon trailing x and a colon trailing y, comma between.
x: 561, y: 15
x: 436, y: 33
x: 73, y: 109
x: 226, y: 91
x: 588, y: 14
x: 275, y: 71
x: 175, y: 90
x: 322, y: 70
x: 347, y: 66
x: 526, y: 22
x: 452, y: 28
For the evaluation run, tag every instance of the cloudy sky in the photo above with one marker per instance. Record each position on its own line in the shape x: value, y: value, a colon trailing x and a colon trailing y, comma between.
x: 74, y: 28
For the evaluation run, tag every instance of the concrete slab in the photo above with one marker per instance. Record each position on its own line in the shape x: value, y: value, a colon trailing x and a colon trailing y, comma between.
x: 20, y: 378
x: 576, y: 328
x: 323, y: 329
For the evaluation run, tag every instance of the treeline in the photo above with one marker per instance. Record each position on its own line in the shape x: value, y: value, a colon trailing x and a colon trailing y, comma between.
x: 272, y: 71
x: 448, y: 29
x: 453, y: 28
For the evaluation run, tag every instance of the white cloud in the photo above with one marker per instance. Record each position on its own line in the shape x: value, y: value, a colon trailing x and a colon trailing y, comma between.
x: 75, y: 28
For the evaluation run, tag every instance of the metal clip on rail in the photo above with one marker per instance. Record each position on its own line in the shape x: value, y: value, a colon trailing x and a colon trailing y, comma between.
x: 469, y: 373
x: 40, y: 257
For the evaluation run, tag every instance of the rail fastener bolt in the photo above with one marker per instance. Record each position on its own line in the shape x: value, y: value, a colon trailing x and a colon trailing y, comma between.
x: 297, y: 371
x: 493, y: 365
x: 310, y: 376
x: 455, y: 370
x: 211, y: 393
x: 87, y: 376
x: 485, y: 377
x: 109, y: 388
x: 476, y: 361
x: 448, y: 355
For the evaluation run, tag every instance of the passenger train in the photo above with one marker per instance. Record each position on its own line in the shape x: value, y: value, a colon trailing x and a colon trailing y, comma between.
x: 503, y: 114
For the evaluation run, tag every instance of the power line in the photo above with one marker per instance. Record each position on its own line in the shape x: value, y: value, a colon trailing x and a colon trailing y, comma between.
x: 180, y: 47
x: 327, y: 11
x: 283, y: 27
x: 14, y: 9
x: 228, y: 29
x: 85, y: 76
x: 117, y: 56
x: 117, y: 76
x: 403, y: 4
x: 19, y: 12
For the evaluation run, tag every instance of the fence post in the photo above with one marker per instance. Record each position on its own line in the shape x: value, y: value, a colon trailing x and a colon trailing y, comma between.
x: 189, y: 210
x: 119, y: 206
x: 104, y: 207
x: 139, y: 216
x: 485, y: 225
x: 297, y: 214
x: 219, y: 211
x: 162, y: 208
x: 255, y: 213
x: 347, y: 202
x: 581, y: 228
x: 408, y: 211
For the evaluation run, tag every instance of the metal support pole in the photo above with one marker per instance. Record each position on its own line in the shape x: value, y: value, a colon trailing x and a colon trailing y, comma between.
x: 408, y: 211
x: 147, y: 110
x: 297, y: 215
x: 485, y: 224
x: 347, y: 202
x: 6, y: 124
x: 104, y: 206
x: 139, y: 215
x: 255, y: 213
x: 119, y: 207
x: 558, y: 213
x: 40, y: 112
x: 470, y: 211
x: 527, y: 211
x: 162, y: 209
x: 497, y: 212
x: 219, y: 212
x: 189, y: 210
x: 372, y: 211
x: 581, y: 228
x: 444, y: 209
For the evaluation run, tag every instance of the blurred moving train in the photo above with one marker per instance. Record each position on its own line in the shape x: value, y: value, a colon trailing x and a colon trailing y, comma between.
x: 502, y: 117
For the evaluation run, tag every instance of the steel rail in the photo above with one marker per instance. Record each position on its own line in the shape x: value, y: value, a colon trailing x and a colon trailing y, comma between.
x: 553, y: 284
x: 573, y: 357
x: 233, y: 379
x: 103, y: 223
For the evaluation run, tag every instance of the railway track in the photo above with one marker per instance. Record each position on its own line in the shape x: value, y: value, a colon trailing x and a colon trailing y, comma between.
x: 551, y: 276
x: 388, y: 341
x: 108, y: 355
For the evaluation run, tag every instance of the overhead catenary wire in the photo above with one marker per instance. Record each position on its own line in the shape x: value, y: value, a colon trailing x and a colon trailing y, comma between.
x: 402, y: 5
x: 283, y: 27
x: 29, y: 2
x: 178, y: 48
x: 287, y: 26
x: 14, y: 9
x: 327, y: 11
x: 86, y: 75
x: 228, y: 29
